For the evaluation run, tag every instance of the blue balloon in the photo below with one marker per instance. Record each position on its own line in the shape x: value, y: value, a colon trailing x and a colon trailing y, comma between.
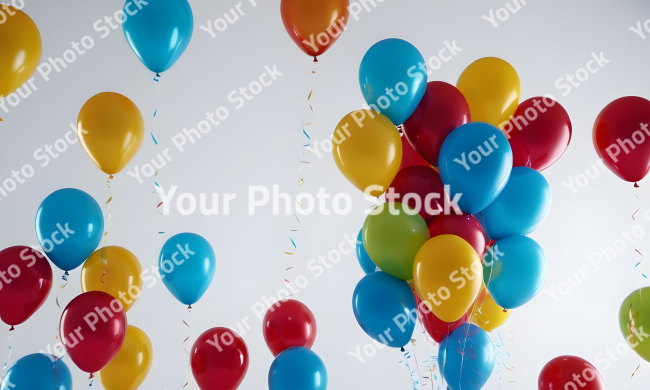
x: 69, y: 227
x: 393, y: 78
x: 187, y: 266
x: 159, y: 31
x: 475, y: 161
x: 469, y: 358
x: 521, y: 207
x: 514, y: 271
x: 297, y: 368
x: 38, y: 371
x: 385, y: 309
x: 366, y: 263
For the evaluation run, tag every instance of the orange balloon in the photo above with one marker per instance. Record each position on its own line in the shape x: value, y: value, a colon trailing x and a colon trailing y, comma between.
x: 314, y: 25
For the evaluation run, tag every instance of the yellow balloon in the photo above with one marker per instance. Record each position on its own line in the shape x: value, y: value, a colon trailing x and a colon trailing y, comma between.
x: 20, y: 49
x: 130, y: 366
x: 368, y: 150
x: 487, y: 314
x: 122, y: 279
x: 491, y: 87
x: 447, y: 274
x: 111, y: 129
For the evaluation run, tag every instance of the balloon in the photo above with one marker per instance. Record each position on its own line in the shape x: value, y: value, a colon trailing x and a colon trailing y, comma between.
x: 435, y: 327
x: 392, y: 234
x: 187, y: 266
x: 410, y: 157
x: 442, y: 109
x: 569, y: 372
x: 521, y: 207
x: 384, y: 306
x: 514, y: 271
x: 464, y: 226
x: 69, y: 226
x: 447, y: 276
x: 92, y: 329
x: 289, y: 323
x: 297, y: 368
x: 466, y: 358
x: 29, y: 282
x: 619, y: 134
x: 38, y: 371
x: 633, y: 316
x: 21, y: 48
x: 421, y: 189
x: 366, y: 263
x: 539, y: 133
x: 158, y: 32
x: 314, y: 25
x: 393, y: 78
x: 486, y: 313
x: 475, y: 160
x: 110, y: 129
x: 491, y: 87
x: 122, y: 279
x: 219, y: 359
x: 131, y: 365
x: 370, y: 151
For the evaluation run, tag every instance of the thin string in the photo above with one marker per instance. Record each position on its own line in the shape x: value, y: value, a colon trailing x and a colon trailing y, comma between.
x: 189, y: 310
x: 9, y: 345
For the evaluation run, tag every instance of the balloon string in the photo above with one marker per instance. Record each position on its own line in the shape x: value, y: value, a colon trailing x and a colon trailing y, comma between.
x: 637, y: 369
x: 9, y: 345
x: 90, y: 378
x: 189, y: 310
x: 105, y: 261
x: 65, y: 279
x: 408, y: 366
x: 638, y: 207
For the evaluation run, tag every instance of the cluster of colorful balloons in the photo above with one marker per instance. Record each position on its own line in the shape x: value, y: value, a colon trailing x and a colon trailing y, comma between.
x: 465, y: 172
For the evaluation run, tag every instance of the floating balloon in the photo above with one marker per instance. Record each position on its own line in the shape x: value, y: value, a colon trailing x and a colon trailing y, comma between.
x: 131, y: 365
x: 569, y: 372
x: 619, y: 136
x: 486, y: 313
x: 410, y: 157
x: 393, y: 78
x: 435, y: 327
x: 466, y: 358
x: 392, y: 234
x: 475, y: 160
x: 92, y: 329
x: 633, y: 316
x: 539, y: 133
x: 314, y: 25
x: 366, y: 263
x: 158, y: 32
x: 69, y: 226
x: 38, y: 371
x: 464, y: 226
x: 30, y: 281
x: 291, y: 324
x: 385, y: 308
x: 491, y: 87
x: 367, y: 150
x: 187, y: 266
x: 298, y: 368
x: 421, y: 189
x: 514, y: 271
x: 521, y: 207
x: 110, y: 129
x: 122, y: 278
x: 219, y: 357
x: 20, y: 52
x: 447, y: 276
x: 442, y: 109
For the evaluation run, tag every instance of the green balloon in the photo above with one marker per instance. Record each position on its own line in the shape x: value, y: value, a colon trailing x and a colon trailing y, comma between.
x: 634, y: 320
x: 392, y: 238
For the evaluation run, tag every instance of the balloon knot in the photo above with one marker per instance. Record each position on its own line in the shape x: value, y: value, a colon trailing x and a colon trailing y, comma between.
x: 402, y: 349
x: 505, y: 310
x: 91, y: 376
x: 189, y: 308
x: 315, y: 59
x: 636, y: 185
x: 12, y: 328
x: 157, y: 74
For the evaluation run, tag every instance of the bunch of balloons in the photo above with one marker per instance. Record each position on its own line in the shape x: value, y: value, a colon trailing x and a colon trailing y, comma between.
x: 289, y: 329
x: 465, y: 172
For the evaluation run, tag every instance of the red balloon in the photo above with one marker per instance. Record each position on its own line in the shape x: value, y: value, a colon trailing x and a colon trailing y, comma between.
x: 435, y: 327
x: 464, y: 226
x: 92, y: 328
x: 419, y: 181
x: 563, y: 371
x: 410, y: 157
x: 622, y: 137
x: 26, y: 281
x: 442, y: 109
x: 291, y: 324
x: 219, y: 359
x: 539, y: 133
